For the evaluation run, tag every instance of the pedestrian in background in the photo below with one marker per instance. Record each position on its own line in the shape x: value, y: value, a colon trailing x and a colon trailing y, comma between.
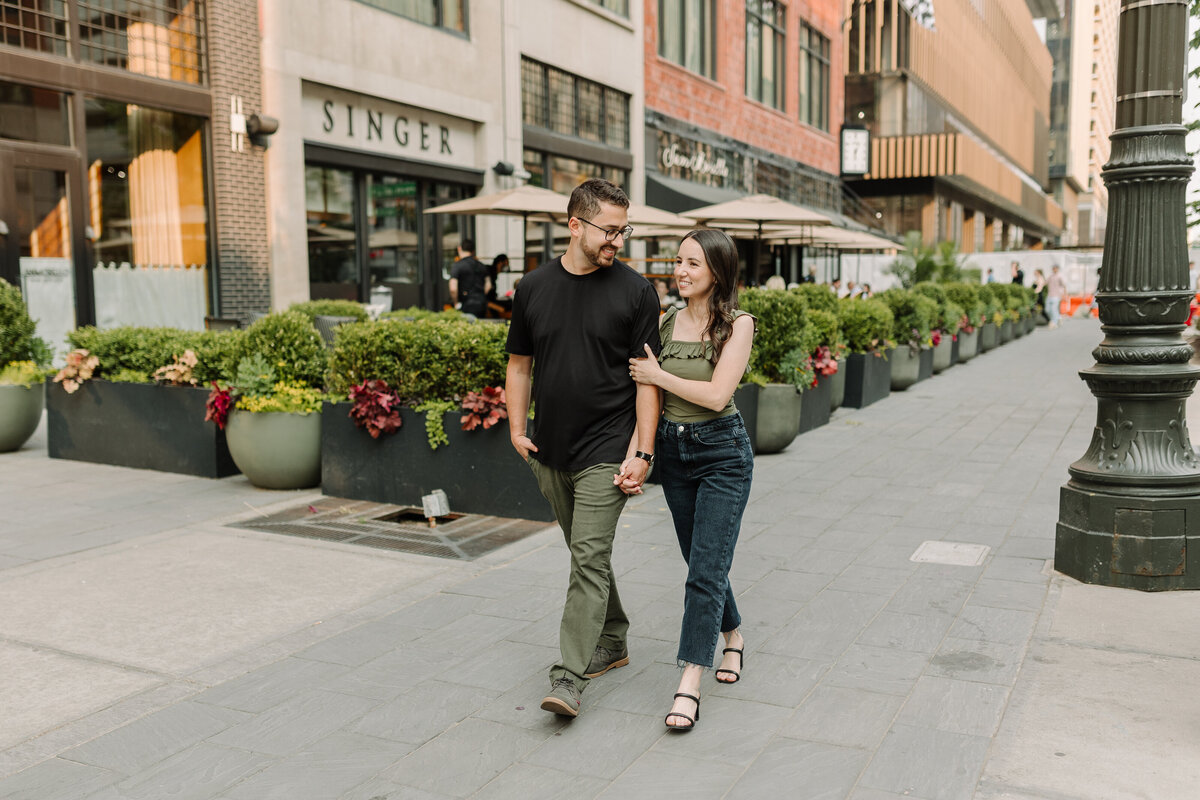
x: 1056, y: 290
x: 991, y: 275
x: 704, y: 454
x: 469, y: 281
x: 577, y: 320
x: 1018, y: 274
x: 1039, y: 289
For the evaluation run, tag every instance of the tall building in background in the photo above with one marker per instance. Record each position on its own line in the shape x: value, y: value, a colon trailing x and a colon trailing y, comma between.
x: 1082, y: 40
x: 743, y: 97
x: 956, y: 99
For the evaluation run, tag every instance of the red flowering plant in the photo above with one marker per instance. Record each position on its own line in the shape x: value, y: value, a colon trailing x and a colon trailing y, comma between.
x: 217, y: 406
x: 376, y: 408
x: 824, y: 362
x: 484, y: 409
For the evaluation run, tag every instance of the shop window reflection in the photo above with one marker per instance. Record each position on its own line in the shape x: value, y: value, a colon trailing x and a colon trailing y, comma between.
x: 329, y: 207
x: 148, y: 215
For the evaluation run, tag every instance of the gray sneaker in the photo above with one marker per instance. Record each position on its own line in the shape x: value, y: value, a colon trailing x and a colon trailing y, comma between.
x: 564, y: 698
x: 604, y: 659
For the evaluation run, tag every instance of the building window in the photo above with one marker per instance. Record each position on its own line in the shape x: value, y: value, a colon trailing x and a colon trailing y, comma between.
x: 573, y: 106
x: 29, y: 114
x: 40, y: 26
x: 162, y: 39
x: 561, y: 174
x: 765, y: 51
x: 687, y: 35
x: 620, y: 7
x: 814, y: 78
x: 449, y: 14
x: 147, y: 213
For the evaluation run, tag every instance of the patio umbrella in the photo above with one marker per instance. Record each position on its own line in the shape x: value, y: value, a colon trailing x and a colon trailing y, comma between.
x: 760, y: 210
x: 523, y: 201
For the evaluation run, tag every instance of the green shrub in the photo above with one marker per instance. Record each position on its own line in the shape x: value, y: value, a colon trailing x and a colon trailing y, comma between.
x: 129, y: 350
x: 866, y: 324
x: 16, y: 326
x: 993, y: 297
x: 952, y: 319
x: 330, y: 308
x: 913, y: 315
x: 782, y: 327
x: 414, y: 313
x: 289, y: 343
x: 937, y: 294
x: 424, y: 360
x: 817, y: 296
x: 827, y: 331
x: 967, y: 297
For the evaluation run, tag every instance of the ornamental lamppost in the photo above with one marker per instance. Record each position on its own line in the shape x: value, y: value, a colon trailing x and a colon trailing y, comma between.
x: 1130, y: 515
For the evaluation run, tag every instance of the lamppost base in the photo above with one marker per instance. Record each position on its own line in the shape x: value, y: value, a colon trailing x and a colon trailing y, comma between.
x: 1150, y: 543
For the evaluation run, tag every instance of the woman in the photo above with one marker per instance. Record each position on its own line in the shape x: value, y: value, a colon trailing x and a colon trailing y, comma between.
x: 703, y: 453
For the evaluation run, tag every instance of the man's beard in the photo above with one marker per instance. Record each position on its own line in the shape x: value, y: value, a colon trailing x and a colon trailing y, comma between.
x: 597, y: 257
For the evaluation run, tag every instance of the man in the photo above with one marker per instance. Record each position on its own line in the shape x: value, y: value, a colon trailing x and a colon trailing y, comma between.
x: 469, y: 281
x: 991, y: 275
x: 579, y: 319
x: 1018, y: 274
x: 1056, y: 290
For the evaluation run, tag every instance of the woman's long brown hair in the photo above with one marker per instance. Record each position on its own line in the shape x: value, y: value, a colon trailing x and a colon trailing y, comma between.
x: 721, y: 254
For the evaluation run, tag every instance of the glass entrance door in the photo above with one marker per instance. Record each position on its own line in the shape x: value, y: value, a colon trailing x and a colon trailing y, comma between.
x: 38, y: 241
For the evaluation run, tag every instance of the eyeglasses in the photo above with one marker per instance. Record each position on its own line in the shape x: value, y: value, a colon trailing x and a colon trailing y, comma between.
x: 611, y: 235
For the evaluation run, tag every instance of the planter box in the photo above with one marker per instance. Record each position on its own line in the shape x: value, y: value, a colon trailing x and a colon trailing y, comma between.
x: 816, y: 408
x: 954, y: 349
x: 771, y: 413
x: 479, y: 470
x: 20, y: 412
x: 1006, y: 332
x: 275, y: 450
x: 968, y: 345
x: 1031, y: 324
x: 908, y: 367
x: 989, y: 337
x: 868, y: 379
x: 926, y: 364
x: 1019, y: 328
x: 139, y: 425
x: 837, y: 387
x: 943, y: 355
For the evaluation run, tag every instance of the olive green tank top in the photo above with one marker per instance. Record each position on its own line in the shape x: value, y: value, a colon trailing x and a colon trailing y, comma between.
x: 690, y: 361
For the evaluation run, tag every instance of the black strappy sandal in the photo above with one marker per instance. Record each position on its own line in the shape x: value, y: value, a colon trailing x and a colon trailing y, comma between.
x: 692, y: 722
x: 737, y: 674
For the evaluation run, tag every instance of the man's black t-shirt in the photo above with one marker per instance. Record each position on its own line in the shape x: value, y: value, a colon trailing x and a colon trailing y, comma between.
x: 471, y: 276
x: 581, y: 331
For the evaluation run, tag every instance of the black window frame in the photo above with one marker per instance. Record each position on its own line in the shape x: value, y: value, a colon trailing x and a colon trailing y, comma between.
x: 759, y: 13
x: 707, y: 44
x: 814, y: 77
x: 544, y: 118
x: 441, y: 16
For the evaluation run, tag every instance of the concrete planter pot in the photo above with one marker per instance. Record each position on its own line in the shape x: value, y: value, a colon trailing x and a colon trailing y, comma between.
x: 968, y: 345
x: 479, y: 470
x: 1031, y: 324
x: 141, y: 425
x: 1006, y: 332
x: 989, y: 337
x: 908, y: 367
x: 868, y: 378
x: 837, y: 386
x: 1019, y: 328
x: 276, y: 450
x: 771, y: 413
x: 20, y: 412
x: 943, y: 355
x: 816, y: 406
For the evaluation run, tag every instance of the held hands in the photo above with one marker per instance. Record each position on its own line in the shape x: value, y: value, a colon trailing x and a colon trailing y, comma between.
x: 633, y: 473
x: 645, y: 370
x: 524, y: 445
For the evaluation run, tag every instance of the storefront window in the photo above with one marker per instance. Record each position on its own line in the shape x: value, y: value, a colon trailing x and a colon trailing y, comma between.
x: 148, y: 215
x: 34, y: 25
x: 29, y: 114
x: 392, y: 235
x: 161, y: 38
x: 329, y: 212
x: 451, y: 14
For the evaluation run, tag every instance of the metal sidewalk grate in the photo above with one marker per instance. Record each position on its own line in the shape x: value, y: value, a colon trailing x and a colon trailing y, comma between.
x: 464, y: 537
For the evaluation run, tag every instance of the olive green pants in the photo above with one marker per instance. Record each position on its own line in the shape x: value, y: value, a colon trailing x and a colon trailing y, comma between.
x: 587, y: 506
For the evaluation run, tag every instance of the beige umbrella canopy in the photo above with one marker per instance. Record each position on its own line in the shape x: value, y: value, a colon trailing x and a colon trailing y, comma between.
x: 523, y: 201
x: 840, y: 238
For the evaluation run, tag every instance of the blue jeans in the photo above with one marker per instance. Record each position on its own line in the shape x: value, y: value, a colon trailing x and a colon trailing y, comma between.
x: 705, y: 470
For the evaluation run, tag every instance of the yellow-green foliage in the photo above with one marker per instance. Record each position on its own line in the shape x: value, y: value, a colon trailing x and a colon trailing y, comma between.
x: 287, y: 398
x: 21, y: 373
